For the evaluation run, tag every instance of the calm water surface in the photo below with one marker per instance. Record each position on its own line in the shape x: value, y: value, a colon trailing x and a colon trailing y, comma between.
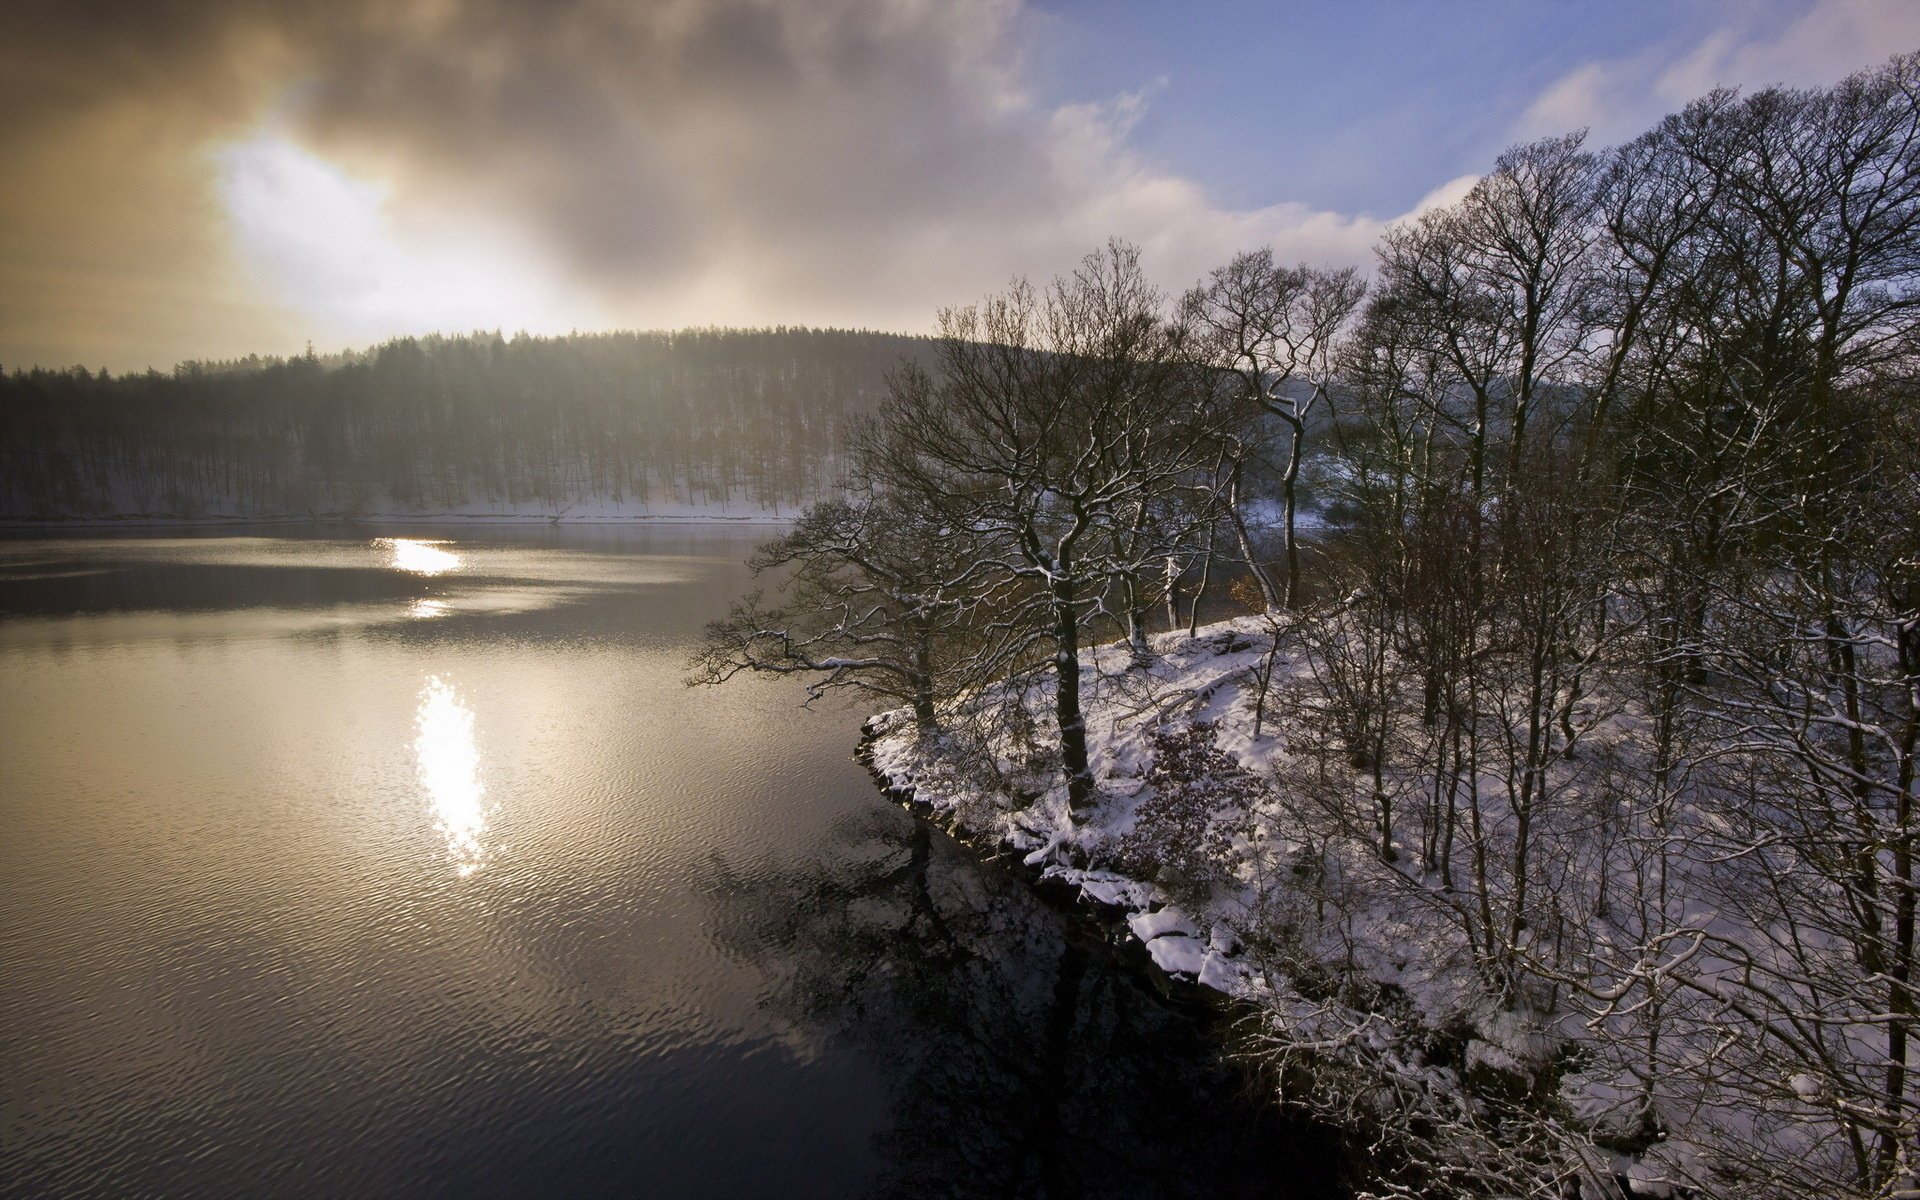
x: 357, y: 866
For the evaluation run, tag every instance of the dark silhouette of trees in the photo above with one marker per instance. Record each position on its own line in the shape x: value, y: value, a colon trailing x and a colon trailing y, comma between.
x: 869, y: 601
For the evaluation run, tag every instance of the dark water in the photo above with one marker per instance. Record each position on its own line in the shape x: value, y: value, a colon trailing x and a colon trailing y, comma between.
x: 332, y: 866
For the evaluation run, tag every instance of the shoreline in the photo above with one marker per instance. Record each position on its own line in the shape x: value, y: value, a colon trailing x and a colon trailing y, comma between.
x: 1112, y: 905
x: 1400, y: 1015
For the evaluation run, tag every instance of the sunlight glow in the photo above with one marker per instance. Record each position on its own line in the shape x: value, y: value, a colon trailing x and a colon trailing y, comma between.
x: 420, y: 556
x: 449, y: 768
x: 338, y: 250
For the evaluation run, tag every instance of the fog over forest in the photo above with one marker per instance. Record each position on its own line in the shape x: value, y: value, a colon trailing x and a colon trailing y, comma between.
x: 745, y: 420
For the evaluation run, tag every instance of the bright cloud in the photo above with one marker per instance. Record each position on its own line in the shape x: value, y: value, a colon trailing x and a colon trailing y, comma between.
x: 332, y: 247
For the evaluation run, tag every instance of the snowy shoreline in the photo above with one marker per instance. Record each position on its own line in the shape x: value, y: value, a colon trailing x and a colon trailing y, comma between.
x: 1403, y: 1010
x: 1083, y: 899
x: 1048, y: 846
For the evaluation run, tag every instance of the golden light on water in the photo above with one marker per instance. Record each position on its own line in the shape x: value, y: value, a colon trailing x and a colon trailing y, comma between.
x: 448, y: 761
x: 419, y: 556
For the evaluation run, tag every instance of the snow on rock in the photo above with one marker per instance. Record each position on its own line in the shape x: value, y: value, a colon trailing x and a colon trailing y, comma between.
x: 1148, y: 926
x: 1104, y: 887
x: 1492, y: 1057
x: 1223, y: 974
x: 1178, y: 954
x: 1645, y: 1179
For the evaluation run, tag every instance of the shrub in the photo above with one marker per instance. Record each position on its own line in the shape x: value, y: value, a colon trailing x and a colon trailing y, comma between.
x: 1183, y: 834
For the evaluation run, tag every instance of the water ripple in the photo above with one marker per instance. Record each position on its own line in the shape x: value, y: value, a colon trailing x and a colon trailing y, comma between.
x: 330, y: 875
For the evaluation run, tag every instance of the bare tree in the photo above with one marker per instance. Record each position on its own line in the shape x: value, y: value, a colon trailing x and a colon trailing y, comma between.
x: 867, y: 603
x: 1621, y: 630
x: 1056, y: 433
x: 1498, y: 287
x: 1274, y: 331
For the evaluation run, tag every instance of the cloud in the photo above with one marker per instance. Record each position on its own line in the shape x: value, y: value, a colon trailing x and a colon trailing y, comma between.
x: 1826, y: 41
x: 329, y: 243
x: 371, y: 167
x: 1583, y: 98
x: 210, y: 177
x: 853, y: 161
x: 1832, y: 39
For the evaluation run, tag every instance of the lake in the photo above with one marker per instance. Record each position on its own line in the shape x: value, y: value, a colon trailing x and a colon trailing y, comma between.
x: 353, y: 862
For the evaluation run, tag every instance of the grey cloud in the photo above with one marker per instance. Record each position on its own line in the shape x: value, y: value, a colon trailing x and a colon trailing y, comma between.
x: 643, y: 141
x: 835, y: 161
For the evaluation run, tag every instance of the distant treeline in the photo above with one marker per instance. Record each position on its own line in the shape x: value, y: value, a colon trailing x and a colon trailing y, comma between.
x: 702, y: 417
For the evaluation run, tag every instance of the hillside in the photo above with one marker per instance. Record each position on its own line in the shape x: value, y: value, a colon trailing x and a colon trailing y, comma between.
x: 610, y: 425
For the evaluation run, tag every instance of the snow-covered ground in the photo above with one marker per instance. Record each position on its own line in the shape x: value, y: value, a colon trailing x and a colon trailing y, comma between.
x: 1045, y: 837
x: 1195, y: 680
x: 1358, y: 968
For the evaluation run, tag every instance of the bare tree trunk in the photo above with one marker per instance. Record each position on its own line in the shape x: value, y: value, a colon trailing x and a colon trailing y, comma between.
x: 1206, y: 577
x: 1066, y: 707
x: 1136, y: 596
x: 1269, y: 594
x: 1288, y: 479
x: 923, y: 713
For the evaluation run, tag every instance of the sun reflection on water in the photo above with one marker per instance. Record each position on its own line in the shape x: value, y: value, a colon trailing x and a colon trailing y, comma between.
x: 420, y: 556
x: 449, y: 768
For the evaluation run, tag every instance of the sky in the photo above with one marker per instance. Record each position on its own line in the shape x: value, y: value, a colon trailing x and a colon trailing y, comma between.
x: 205, y: 179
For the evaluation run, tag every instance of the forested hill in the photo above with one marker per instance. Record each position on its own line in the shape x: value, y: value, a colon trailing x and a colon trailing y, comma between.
x: 583, y: 425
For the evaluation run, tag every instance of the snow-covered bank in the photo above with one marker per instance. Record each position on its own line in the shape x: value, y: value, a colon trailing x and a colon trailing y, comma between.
x: 1227, y: 848
x: 917, y: 776
x: 1191, y: 943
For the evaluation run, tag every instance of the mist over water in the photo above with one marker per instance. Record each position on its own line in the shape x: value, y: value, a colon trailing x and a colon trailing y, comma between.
x: 350, y: 865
